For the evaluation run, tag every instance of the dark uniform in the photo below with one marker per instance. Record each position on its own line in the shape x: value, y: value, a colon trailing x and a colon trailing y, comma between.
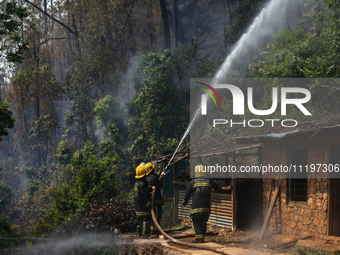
x: 142, y: 207
x: 155, y: 180
x: 200, y: 189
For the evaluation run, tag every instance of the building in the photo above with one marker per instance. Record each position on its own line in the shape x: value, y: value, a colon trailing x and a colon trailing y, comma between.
x: 307, y: 203
x: 236, y: 209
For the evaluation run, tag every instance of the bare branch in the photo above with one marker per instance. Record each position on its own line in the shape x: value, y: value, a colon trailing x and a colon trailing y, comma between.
x: 59, y: 22
x: 127, y: 17
x: 59, y: 38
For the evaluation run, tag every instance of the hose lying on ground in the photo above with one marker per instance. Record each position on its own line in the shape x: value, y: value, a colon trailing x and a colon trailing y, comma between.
x: 218, y: 250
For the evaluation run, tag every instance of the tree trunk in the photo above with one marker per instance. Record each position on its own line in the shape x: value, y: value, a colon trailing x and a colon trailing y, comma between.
x: 0, y: 95
x: 45, y: 10
x: 166, y: 26
x: 152, y: 27
x: 175, y: 22
x: 37, y: 59
x: 75, y: 33
x: 38, y: 107
x: 193, y: 14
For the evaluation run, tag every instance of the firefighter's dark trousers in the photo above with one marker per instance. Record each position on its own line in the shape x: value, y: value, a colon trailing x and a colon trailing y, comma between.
x: 159, y: 213
x: 199, y: 224
x: 143, y: 226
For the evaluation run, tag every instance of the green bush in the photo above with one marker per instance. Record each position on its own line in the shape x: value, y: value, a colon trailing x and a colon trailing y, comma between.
x: 89, y: 175
x: 97, y: 179
x: 6, y: 231
x: 64, y: 152
x: 286, y: 37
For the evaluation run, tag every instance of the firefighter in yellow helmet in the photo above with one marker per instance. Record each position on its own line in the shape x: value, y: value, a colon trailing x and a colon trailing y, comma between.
x: 200, y: 189
x: 142, y: 201
x: 155, y: 183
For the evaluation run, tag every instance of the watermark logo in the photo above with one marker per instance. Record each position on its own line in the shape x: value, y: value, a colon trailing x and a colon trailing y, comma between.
x: 204, y: 97
x: 239, y: 99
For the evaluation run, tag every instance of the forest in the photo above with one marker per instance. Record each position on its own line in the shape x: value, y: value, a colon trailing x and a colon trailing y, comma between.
x: 89, y: 89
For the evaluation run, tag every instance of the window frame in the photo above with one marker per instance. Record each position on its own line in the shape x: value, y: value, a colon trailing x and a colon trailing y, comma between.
x: 291, y: 198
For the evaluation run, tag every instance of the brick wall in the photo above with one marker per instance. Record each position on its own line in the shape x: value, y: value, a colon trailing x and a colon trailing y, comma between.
x: 300, y: 218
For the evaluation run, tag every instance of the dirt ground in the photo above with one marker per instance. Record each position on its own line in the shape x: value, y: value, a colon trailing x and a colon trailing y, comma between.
x: 244, y: 243
x: 273, y: 243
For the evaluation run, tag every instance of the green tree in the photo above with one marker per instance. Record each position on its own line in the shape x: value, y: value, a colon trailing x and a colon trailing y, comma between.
x: 90, y: 174
x: 6, y: 231
x: 100, y: 56
x: 11, y: 19
x: 161, y: 108
x: 5, y: 197
x: 6, y: 120
x: 80, y: 115
x: 109, y: 119
x: 106, y: 109
x: 40, y: 182
x: 314, y: 53
x: 313, y: 56
x: 37, y: 130
x: 64, y: 152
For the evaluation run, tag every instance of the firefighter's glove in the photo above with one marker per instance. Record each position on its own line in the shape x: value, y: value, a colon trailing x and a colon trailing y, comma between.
x: 185, y: 203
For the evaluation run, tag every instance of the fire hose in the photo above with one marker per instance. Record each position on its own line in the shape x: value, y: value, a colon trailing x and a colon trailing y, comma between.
x: 217, y: 250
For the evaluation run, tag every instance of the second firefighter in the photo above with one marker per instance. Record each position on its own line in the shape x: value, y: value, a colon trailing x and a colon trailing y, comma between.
x: 200, y: 189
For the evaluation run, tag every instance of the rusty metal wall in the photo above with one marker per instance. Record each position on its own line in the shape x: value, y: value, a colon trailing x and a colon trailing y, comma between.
x: 221, y: 209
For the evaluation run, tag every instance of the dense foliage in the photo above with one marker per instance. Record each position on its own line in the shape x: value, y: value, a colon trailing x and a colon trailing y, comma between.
x: 161, y: 109
x: 305, y: 54
x: 13, y: 44
x: 6, y: 231
x: 6, y: 120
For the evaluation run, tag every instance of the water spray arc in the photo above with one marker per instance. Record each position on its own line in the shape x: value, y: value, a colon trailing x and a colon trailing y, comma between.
x: 269, y: 21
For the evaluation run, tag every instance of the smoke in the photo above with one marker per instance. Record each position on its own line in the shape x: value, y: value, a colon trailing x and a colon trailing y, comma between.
x: 204, y: 19
x: 91, y: 242
x: 127, y: 92
x: 23, y: 181
x: 99, y: 135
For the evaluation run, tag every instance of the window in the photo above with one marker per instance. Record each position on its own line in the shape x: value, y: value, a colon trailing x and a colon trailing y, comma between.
x: 297, y: 181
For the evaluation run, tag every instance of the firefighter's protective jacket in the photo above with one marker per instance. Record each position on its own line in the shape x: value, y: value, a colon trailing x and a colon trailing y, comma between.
x: 200, y: 189
x: 142, y: 199
x: 154, y: 180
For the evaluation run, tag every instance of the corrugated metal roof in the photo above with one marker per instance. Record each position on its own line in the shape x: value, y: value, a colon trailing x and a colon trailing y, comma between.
x: 311, y: 132
x: 278, y: 135
x: 234, y: 148
x: 223, y: 145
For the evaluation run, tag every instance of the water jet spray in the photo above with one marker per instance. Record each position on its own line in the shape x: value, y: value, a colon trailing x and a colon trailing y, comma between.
x: 264, y: 25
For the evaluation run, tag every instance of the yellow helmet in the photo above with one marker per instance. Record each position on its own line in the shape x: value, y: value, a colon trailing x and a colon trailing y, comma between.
x: 200, y: 171
x: 150, y: 166
x: 141, y: 171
